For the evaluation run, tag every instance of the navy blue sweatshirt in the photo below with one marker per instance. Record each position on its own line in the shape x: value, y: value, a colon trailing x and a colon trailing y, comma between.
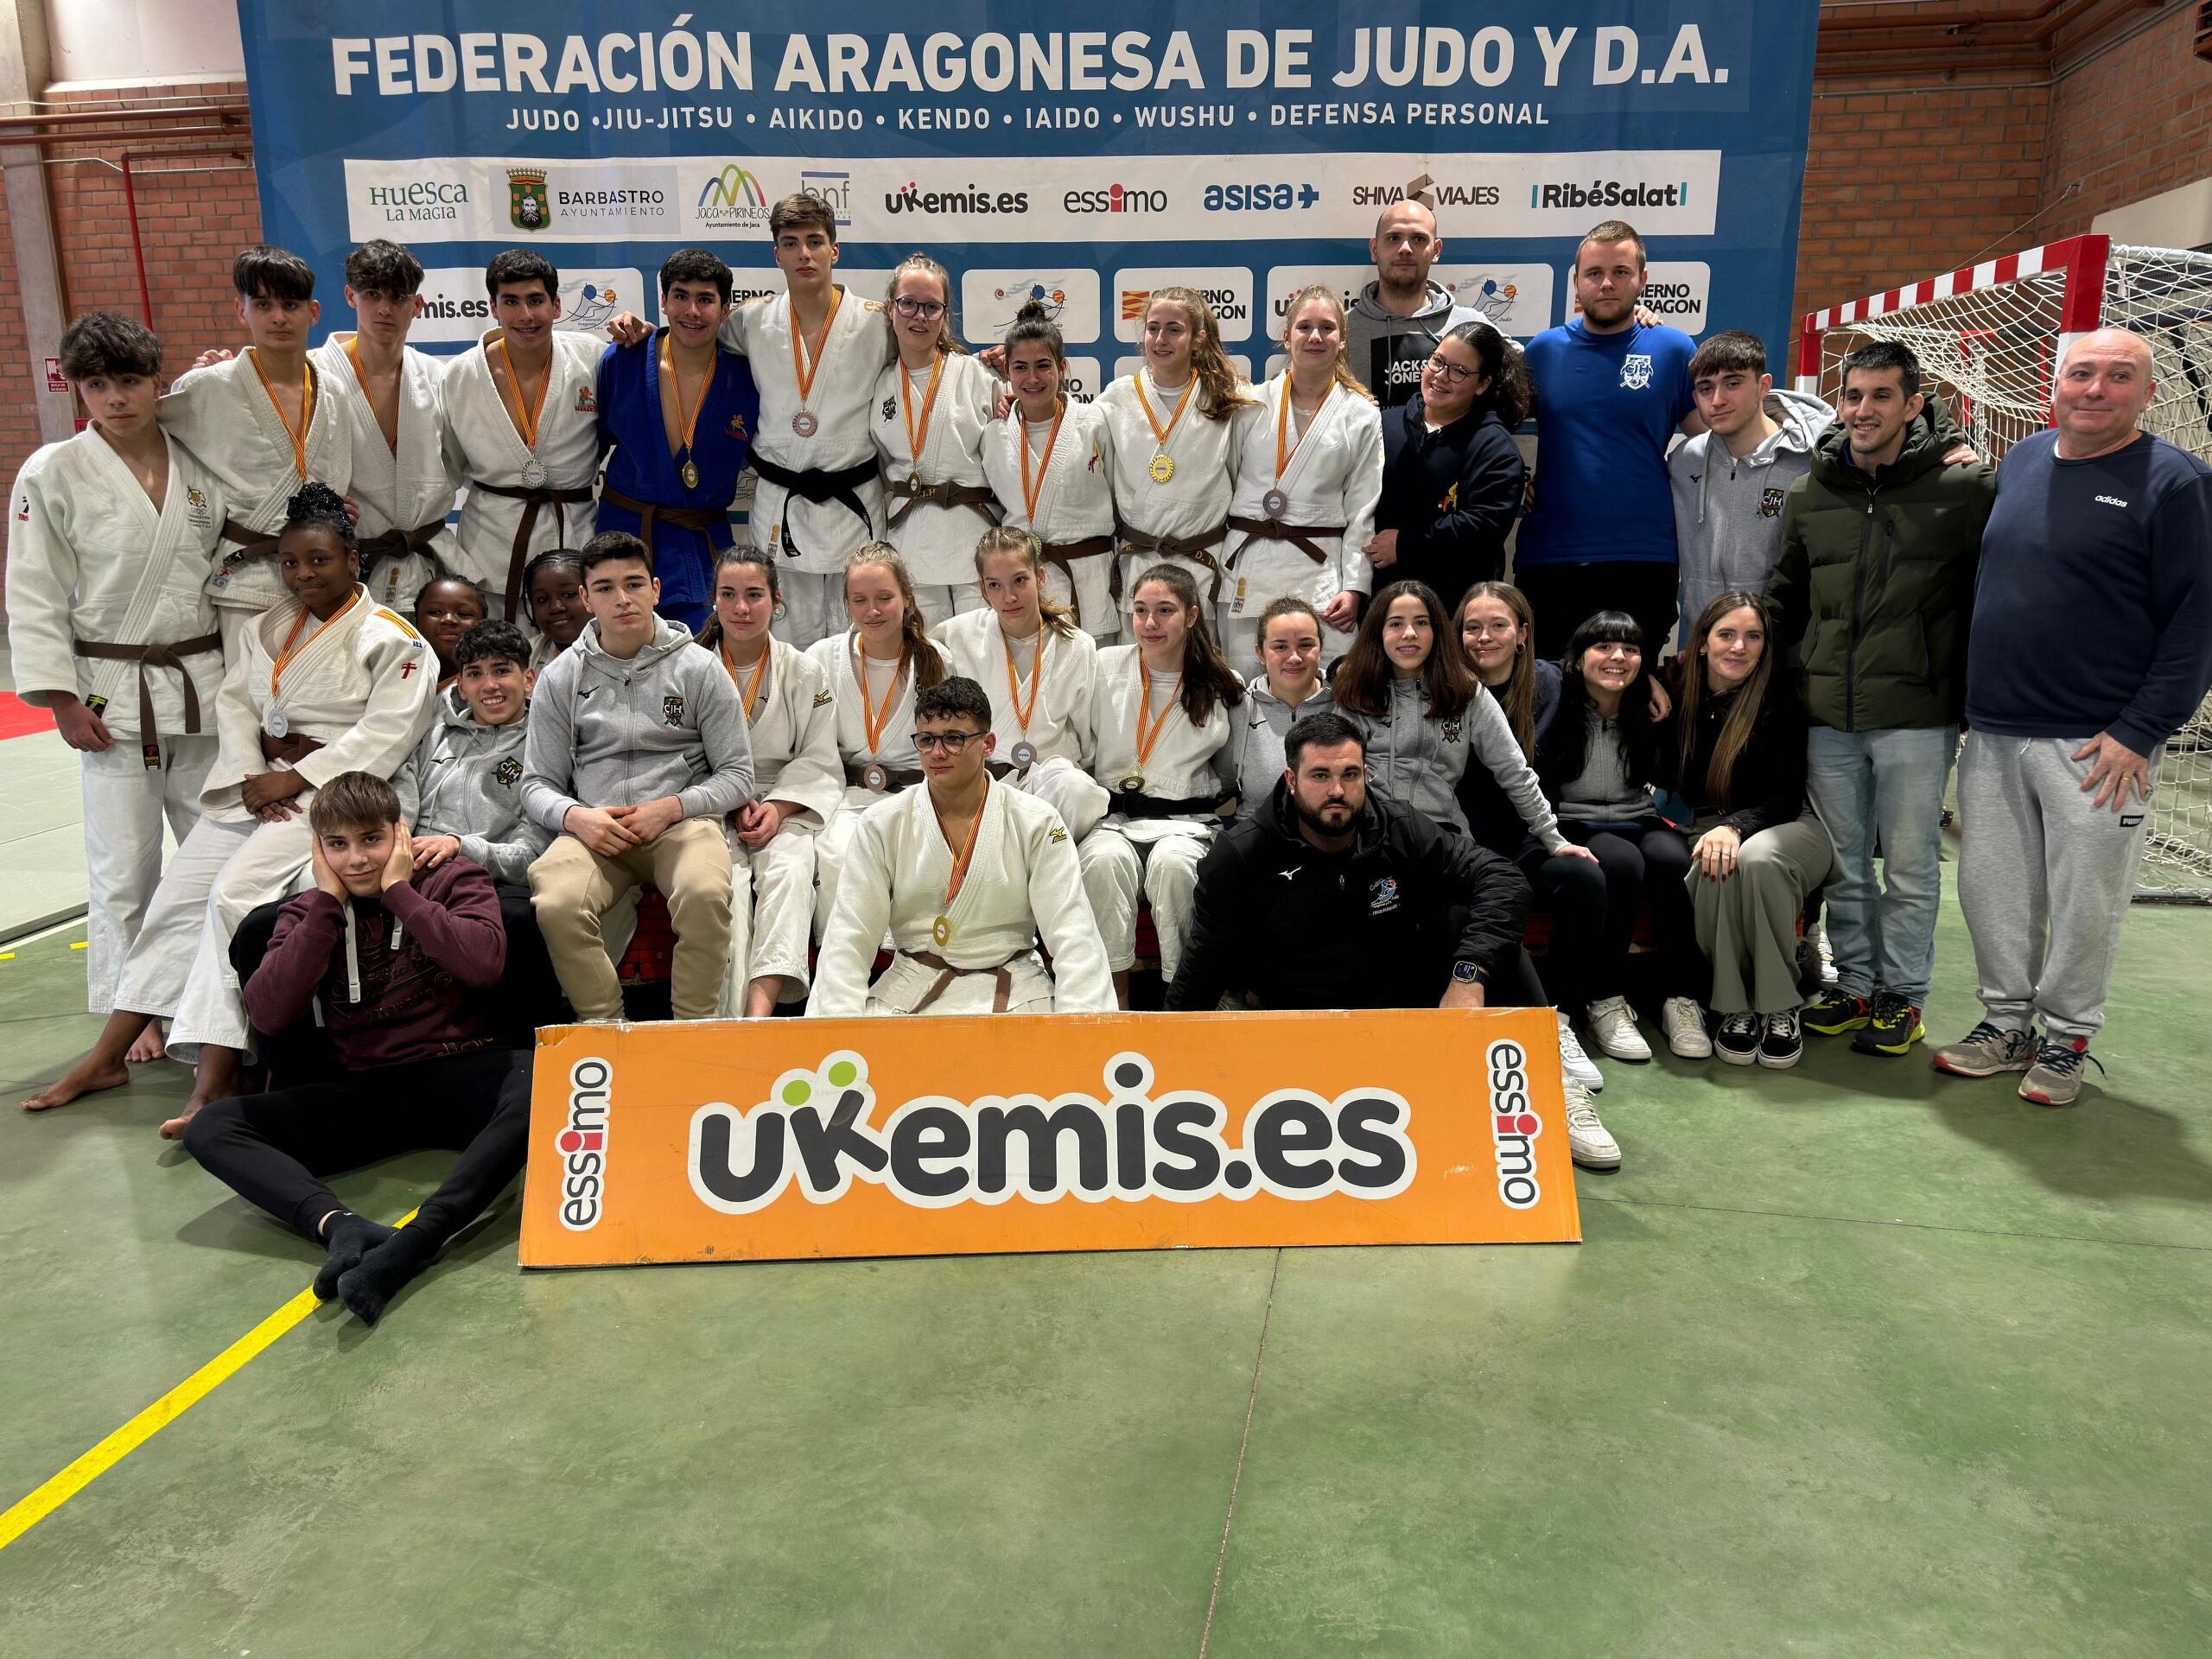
x: 2093, y: 611
x: 1452, y: 495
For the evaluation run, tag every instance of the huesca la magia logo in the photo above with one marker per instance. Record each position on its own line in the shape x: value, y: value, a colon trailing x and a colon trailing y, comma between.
x: 529, y: 206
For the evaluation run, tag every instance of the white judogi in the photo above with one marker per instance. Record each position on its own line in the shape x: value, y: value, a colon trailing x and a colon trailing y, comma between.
x: 1059, y: 719
x: 794, y: 732
x: 1334, y: 477
x: 365, y: 684
x: 483, y: 446
x: 398, y: 486
x: 811, y: 539
x: 938, y: 542
x: 1021, y: 884
x: 1127, y: 856
x: 91, y: 558
x: 1075, y: 502
x: 225, y: 417
x: 839, y: 658
x: 1194, y: 502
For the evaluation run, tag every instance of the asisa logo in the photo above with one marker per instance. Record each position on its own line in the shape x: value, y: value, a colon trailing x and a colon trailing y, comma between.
x: 583, y: 1144
x: 1514, y: 1126
x: 816, y: 1131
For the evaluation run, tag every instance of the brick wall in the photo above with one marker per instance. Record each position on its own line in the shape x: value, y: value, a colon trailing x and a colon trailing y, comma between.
x: 2126, y: 121
x: 190, y: 222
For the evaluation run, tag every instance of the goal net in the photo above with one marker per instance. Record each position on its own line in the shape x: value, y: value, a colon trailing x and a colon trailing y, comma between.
x: 1990, y: 338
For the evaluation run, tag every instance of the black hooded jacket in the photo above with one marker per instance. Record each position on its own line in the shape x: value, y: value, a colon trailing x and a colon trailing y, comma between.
x: 1376, y: 926
x: 1452, y: 495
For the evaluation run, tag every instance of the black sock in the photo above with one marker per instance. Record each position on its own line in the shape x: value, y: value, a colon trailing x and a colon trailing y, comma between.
x: 377, y: 1280
x: 350, y: 1237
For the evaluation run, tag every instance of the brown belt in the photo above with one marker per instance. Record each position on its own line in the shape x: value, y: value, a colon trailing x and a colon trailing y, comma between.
x: 1198, y: 548
x: 946, y: 973
x: 651, y: 515
x: 559, y: 500
x: 396, y: 543
x: 909, y: 495
x: 892, y: 778
x: 291, y: 749
x: 253, y: 543
x: 148, y: 658
x: 1065, y: 554
x: 1274, y: 529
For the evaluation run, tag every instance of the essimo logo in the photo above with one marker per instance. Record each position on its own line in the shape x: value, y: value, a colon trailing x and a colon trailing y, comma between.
x: 1514, y: 1126
x: 934, y: 1152
x: 583, y: 1144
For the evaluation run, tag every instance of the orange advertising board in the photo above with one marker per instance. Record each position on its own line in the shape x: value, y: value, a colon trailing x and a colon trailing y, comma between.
x: 719, y: 1141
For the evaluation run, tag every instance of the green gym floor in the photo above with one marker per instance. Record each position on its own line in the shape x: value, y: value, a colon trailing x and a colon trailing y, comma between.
x: 1852, y: 1361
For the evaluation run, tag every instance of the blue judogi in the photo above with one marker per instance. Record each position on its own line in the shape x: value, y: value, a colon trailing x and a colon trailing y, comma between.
x: 683, y: 527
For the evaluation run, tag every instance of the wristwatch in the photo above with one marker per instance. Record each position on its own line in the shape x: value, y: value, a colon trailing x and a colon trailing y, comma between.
x: 1467, y: 973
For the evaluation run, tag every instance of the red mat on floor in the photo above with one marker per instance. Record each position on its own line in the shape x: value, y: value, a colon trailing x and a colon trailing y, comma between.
x: 19, y: 719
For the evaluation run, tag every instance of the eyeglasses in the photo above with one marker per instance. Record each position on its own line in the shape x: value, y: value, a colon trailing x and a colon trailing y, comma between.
x: 1453, y: 372
x: 927, y: 310
x: 946, y: 742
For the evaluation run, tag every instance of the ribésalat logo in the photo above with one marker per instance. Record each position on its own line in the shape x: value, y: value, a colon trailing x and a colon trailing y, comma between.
x: 1514, y: 1126
x: 583, y: 1144
x: 815, y: 1133
x: 1612, y: 193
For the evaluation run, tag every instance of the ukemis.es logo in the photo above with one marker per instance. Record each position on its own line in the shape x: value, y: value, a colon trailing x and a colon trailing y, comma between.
x: 817, y: 1131
x: 528, y: 207
x: 735, y: 198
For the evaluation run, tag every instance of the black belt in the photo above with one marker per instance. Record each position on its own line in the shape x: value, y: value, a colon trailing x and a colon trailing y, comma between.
x: 1132, y: 804
x: 1198, y: 548
x: 150, y: 657
x: 910, y: 495
x: 1274, y: 529
x: 818, y: 486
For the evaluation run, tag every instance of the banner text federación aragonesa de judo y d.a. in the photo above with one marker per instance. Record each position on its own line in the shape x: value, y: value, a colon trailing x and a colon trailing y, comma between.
x: 1037, y: 157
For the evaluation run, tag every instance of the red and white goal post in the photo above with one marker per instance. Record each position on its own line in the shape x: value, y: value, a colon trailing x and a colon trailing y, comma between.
x: 1991, y: 337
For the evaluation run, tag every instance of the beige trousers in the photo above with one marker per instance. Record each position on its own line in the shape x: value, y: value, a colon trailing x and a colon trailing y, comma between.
x: 572, y: 888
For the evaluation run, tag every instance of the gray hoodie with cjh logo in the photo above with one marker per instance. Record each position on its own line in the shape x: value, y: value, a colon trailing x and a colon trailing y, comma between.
x: 465, y: 780
x: 606, y: 731
x: 1728, y: 508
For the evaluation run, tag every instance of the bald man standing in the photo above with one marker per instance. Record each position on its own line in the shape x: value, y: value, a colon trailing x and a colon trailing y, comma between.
x: 1399, y: 317
x: 2092, y: 643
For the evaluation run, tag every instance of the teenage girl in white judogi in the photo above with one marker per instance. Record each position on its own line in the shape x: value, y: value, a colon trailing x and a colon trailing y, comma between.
x: 933, y: 410
x: 1309, y: 473
x: 1151, y: 750
x: 798, y: 785
x: 1040, y: 672
x: 1050, y: 463
x: 873, y: 668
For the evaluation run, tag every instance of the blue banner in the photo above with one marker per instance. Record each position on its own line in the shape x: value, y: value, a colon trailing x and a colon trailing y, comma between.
x: 1081, y: 165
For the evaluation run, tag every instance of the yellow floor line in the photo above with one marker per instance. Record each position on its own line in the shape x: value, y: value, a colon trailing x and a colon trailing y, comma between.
x: 23, y: 1515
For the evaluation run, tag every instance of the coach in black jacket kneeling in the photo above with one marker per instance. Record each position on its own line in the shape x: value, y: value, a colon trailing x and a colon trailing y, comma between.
x: 1331, y: 898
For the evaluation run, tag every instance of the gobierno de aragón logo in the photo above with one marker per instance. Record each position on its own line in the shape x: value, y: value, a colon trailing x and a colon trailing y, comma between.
x: 1129, y: 1141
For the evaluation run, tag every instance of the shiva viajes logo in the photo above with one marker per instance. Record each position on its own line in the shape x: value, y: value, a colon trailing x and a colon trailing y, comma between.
x: 1129, y: 1141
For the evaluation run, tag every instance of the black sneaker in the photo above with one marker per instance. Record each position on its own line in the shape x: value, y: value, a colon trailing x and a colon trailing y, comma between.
x: 1784, y: 1045
x: 1837, y: 1012
x: 1893, y: 1029
x: 1737, y: 1041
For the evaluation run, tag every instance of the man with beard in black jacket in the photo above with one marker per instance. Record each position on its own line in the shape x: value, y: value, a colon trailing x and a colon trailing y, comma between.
x: 1331, y: 898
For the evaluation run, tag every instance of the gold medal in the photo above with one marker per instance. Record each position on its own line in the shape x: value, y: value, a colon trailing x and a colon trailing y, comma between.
x: 1162, y: 468
x: 941, y: 931
x: 691, y: 475
x: 1133, y: 783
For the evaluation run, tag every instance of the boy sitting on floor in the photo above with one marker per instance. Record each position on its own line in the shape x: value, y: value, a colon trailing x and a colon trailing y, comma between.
x: 399, y: 959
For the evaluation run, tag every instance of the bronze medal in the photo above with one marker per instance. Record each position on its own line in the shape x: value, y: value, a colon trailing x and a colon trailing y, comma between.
x: 804, y: 424
x: 875, y: 778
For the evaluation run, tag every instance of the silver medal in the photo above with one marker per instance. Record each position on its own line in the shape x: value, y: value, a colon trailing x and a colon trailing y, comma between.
x: 1024, y: 753
x: 533, y: 473
x: 1276, y: 503
x: 274, y: 722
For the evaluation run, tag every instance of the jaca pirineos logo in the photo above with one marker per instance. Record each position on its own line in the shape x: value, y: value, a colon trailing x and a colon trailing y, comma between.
x: 1514, y: 1126
x: 583, y: 1144
x: 816, y: 1133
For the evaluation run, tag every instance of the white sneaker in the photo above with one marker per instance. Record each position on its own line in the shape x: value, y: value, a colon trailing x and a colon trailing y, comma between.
x: 1684, y: 1023
x: 1829, y: 977
x: 1575, y: 1063
x: 1612, y: 1022
x: 1586, y: 1139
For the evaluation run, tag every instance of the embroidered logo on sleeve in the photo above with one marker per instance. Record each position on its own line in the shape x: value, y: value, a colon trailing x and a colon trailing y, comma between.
x: 822, y: 699
x: 509, y: 771
x: 23, y: 507
x: 587, y: 401
x: 672, y: 708
x: 1055, y: 833
x: 1770, y: 504
x: 1635, y: 371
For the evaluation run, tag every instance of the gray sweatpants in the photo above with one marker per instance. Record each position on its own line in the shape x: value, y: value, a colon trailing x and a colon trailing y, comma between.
x: 2044, y: 880
x: 1747, y: 923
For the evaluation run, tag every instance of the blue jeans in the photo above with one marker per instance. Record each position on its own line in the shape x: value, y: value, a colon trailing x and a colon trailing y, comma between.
x: 1885, y: 787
